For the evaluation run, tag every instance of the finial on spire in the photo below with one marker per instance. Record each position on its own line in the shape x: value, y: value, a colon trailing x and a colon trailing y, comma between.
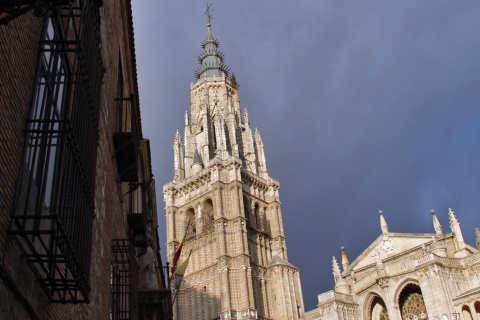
x: 211, y: 59
x: 383, y: 222
x: 207, y: 12
x: 436, y: 224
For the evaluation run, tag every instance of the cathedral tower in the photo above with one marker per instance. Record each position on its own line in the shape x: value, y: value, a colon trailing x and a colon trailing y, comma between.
x: 225, y: 201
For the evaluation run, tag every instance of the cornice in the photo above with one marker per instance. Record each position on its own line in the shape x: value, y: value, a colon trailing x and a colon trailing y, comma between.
x: 254, y: 180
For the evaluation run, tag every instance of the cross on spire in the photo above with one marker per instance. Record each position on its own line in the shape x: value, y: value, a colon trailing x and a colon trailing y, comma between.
x: 208, y: 12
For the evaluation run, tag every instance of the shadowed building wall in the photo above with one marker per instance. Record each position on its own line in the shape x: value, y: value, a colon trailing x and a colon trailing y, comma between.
x: 78, y: 237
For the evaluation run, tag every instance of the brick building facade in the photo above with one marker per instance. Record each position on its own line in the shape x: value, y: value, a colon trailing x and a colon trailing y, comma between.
x: 78, y: 228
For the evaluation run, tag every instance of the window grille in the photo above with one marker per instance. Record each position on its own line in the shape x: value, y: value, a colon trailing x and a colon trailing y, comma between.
x: 10, y: 9
x: 120, y: 281
x: 54, y: 204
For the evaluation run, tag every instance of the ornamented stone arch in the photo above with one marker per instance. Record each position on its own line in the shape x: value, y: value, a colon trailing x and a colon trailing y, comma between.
x: 400, y: 286
x: 208, y: 212
x: 466, y: 313
x: 200, y: 117
x: 410, y: 302
x: 375, y: 307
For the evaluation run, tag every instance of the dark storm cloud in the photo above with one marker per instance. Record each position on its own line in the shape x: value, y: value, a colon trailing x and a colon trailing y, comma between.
x: 361, y: 105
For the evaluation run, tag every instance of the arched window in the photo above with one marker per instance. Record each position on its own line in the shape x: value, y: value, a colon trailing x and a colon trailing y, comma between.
x: 466, y: 313
x: 411, y: 303
x: 208, y: 213
x: 266, y: 222
x: 378, y: 310
x: 477, y: 309
x: 246, y: 208
x: 214, y: 137
x: 257, y: 217
x: 190, y: 221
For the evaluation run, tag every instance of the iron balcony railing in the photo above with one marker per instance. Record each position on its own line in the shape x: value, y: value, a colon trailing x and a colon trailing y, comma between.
x: 126, y: 138
x: 54, y: 205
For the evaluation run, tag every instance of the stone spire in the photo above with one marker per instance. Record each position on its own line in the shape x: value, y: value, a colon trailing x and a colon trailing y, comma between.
x: 340, y: 284
x: 211, y: 59
x: 455, y: 226
x: 383, y: 223
x: 345, y: 263
x: 260, y: 154
x: 436, y: 223
x: 178, y: 157
x: 336, y: 269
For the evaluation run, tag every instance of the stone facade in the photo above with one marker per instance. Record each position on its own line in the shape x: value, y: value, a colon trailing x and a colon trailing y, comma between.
x: 225, y: 208
x: 71, y: 244
x: 407, y: 276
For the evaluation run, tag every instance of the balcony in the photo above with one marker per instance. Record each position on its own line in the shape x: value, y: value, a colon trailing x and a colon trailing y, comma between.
x: 126, y: 139
x: 155, y: 304
x: 137, y: 209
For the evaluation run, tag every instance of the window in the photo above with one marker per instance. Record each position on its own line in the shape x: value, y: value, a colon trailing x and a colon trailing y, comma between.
x: 46, y: 121
x: 54, y: 203
x: 119, y: 281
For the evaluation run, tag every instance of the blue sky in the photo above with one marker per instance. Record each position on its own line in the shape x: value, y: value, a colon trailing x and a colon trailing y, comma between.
x: 362, y: 106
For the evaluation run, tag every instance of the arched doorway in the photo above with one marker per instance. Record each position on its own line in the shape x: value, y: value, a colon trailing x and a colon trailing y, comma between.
x: 378, y: 310
x: 411, y: 303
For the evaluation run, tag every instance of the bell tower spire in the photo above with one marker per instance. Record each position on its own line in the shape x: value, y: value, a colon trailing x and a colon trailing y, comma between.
x: 223, y: 187
x: 211, y: 59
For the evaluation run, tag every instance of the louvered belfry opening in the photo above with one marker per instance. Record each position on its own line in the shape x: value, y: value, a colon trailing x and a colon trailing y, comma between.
x: 54, y: 204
